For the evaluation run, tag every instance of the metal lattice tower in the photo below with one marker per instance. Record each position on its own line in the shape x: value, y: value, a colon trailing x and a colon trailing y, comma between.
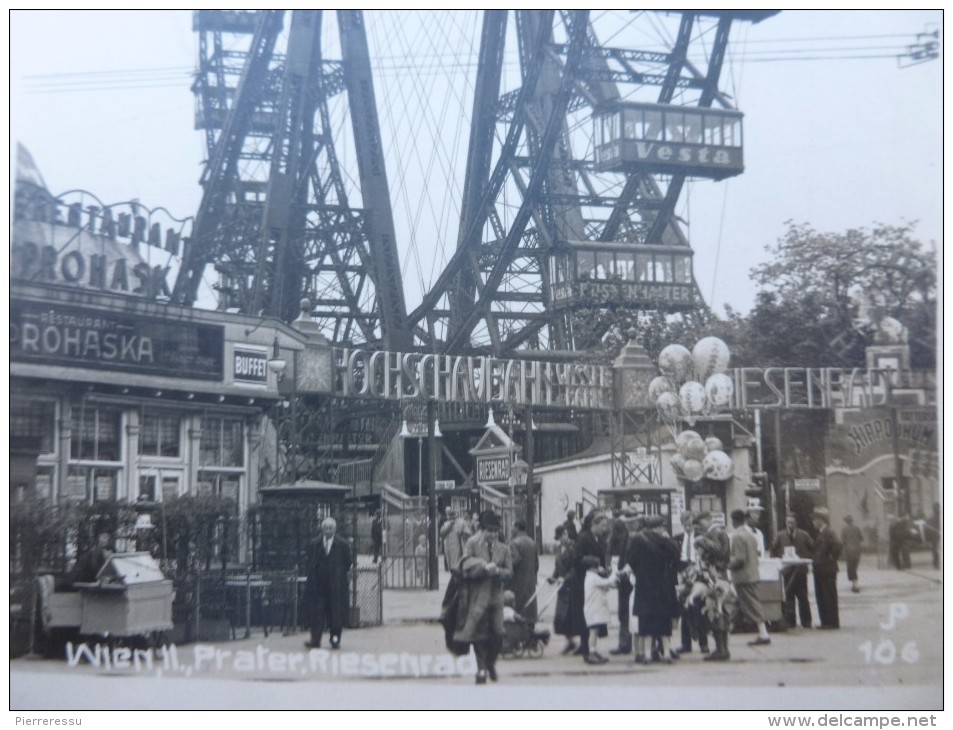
x: 533, y: 145
x: 275, y: 218
x: 277, y: 222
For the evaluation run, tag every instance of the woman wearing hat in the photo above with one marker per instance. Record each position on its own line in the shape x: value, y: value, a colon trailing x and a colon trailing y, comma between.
x: 485, y: 565
x: 653, y: 558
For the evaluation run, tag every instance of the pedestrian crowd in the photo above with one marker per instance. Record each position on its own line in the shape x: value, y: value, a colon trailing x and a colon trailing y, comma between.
x: 696, y: 586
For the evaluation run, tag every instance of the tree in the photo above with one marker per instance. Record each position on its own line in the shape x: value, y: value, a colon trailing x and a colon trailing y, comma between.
x: 824, y: 293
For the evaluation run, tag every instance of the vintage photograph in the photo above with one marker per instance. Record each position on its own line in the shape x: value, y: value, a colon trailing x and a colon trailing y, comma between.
x: 477, y: 360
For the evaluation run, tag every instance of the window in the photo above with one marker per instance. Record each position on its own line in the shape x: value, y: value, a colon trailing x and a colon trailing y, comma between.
x: 33, y: 419
x: 219, y: 484
x: 222, y: 442
x: 159, y: 434
x: 95, y: 433
x: 83, y: 481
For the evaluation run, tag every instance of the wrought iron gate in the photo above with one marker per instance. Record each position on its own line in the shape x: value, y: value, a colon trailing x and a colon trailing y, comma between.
x: 405, y: 553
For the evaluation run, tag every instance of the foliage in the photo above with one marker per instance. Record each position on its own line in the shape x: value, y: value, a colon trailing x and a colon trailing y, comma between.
x: 821, y: 297
x: 48, y: 536
x: 823, y: 294
x: 199, y: 529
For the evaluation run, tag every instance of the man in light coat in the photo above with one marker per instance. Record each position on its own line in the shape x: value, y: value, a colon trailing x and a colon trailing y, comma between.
x: 744, y: 576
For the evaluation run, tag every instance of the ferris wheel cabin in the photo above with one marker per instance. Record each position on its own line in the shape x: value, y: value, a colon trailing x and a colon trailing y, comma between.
x: 693, y: 141
x: 595, y: 274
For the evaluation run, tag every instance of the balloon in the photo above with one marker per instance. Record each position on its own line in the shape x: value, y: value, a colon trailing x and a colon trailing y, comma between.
x: 678, y: 463
x: 709, y: 356
x: 675, y: 361
x: 693, y: 470
x: 660, y: 385
x: 694, y: 449
x: 684, y: 437
x: 718, y: 466
x: 692, y: 397
x: 714, y: 444
x: 719, y: 389
x: 668, y: 406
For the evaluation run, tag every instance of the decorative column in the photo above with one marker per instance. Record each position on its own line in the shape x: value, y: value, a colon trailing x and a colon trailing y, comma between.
x: 632, y: 371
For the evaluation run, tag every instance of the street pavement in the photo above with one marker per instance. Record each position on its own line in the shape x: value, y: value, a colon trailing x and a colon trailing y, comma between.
x: 888, y: 654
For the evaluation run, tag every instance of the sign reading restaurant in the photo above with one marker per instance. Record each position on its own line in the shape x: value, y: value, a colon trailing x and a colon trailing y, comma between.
x: 52, y: 334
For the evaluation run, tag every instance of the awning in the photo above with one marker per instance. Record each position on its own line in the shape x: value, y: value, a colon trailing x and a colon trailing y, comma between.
x: 306, y: 488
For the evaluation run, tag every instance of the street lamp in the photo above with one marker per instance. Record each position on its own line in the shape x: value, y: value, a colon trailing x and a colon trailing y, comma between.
x: 431, y: 430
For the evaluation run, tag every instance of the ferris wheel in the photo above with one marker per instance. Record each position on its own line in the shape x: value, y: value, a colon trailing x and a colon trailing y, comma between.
x: 457, y: 181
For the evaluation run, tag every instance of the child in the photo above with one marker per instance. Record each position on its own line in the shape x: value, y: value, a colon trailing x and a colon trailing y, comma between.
x: 509, y: 612
x: 420, y: 559
x: 596, y: 608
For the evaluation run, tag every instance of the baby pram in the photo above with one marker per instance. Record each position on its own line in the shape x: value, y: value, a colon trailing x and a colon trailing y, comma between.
x: 522, y: 637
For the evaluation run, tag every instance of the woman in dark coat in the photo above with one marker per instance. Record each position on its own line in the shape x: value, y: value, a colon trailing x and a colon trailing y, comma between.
x: 590, y: 545
x: 653, y: 557
x: 563, y: 570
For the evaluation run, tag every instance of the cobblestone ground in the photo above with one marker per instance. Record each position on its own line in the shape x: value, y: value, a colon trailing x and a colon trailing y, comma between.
x: 887, y: 655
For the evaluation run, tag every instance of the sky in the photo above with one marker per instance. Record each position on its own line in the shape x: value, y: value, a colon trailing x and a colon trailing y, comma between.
x: 101, y: 99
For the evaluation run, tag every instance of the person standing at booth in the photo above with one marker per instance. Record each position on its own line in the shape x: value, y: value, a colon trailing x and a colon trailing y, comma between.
x: 827, y: 549
x: 326, y: 594
x: 744, y: 575
x: 795, y: 577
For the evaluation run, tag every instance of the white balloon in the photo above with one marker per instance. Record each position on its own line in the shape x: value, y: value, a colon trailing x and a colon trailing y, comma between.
x: 684, y: 437
x: 714, y: 444
x: 678, y: 463
x: 669, y: 407
x: 660, y: 385
x: 692, y: 397
x: 718, y: 466
x: 718, y: 390
x: 693, y: 470
x: 694, y: 449
x: 675, y: 361
x: 709, y: 356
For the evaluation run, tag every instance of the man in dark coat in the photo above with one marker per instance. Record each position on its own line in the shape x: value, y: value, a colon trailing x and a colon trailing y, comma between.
x: 525, y: 568
x: 592, y: 543
x: 795, y: 577
x: 326, y: 592
x: 827, y: 548
x: 91, y: 562
x: 570, y: 525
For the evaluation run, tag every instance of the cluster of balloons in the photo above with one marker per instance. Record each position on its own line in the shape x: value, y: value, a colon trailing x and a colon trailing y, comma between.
x: 696, y: 457
x: 693, y: 382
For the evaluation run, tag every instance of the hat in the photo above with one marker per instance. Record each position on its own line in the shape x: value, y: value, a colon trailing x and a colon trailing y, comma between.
x: 489, y: 519
x: 822, y: 513
x: 653, y: 521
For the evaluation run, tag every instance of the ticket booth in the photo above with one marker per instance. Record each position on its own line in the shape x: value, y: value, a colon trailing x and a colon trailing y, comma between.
x: 643, y: 501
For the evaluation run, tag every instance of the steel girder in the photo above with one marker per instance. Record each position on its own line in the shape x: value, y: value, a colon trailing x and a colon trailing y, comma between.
x: 492, y: 296
x: 275, y: 219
